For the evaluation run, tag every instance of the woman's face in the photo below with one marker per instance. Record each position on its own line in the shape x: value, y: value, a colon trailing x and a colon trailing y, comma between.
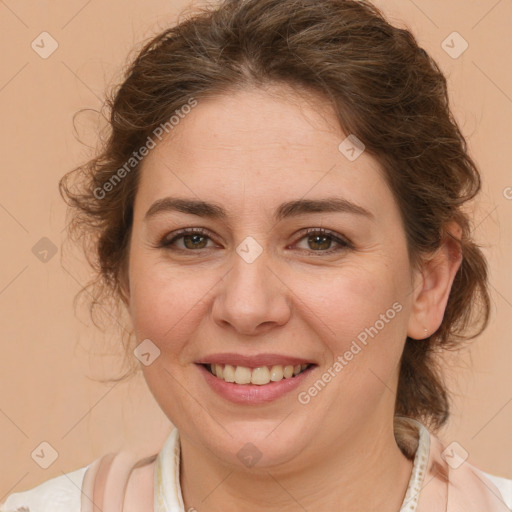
x: 252, y: 288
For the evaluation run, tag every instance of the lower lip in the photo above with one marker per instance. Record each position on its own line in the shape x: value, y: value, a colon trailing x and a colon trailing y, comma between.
x: 252, y: 394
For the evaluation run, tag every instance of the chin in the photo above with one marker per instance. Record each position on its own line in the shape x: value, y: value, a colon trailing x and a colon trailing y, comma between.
x: 255, y: 444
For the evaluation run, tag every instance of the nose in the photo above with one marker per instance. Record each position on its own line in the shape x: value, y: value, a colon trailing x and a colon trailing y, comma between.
x: 252, y: 299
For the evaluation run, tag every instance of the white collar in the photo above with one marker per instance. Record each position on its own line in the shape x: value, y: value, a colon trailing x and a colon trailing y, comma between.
x: 167, y: 497
x: 410, y: 503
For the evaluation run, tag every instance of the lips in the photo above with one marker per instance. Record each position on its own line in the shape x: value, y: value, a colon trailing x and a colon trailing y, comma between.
x: 254, y: 394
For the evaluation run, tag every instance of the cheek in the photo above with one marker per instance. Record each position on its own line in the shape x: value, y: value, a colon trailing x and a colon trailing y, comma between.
x: 166, y: 303
x: 352, y: 299
x: 360, y: 315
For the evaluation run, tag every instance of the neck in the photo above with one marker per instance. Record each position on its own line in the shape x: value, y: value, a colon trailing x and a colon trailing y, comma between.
x: 361, y: 471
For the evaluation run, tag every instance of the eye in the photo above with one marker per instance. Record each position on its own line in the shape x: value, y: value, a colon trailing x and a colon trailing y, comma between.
x: 321, y: 240
x: 191, y: 238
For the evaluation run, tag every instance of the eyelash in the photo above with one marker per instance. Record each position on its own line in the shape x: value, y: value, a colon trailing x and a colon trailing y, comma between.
x: 343, y: 243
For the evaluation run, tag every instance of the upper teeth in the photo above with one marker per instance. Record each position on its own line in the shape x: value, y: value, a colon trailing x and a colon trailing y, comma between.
x: 260, y: 376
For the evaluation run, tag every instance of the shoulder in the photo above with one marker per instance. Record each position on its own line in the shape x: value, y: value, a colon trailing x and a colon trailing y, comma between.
x: 504, y: 486
x: 59, y: 494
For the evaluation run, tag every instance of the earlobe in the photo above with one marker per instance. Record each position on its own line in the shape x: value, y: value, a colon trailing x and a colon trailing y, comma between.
x: 433, y: 285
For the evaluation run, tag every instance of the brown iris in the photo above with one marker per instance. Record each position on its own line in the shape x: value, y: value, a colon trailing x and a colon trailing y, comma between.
x: 194, y: 239
x: 314, y: 239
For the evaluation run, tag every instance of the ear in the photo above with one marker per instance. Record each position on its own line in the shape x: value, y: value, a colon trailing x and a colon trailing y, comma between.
x: 432, y: 285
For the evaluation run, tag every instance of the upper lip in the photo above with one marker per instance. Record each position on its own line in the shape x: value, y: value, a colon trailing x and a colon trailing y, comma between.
x: 253, y: 361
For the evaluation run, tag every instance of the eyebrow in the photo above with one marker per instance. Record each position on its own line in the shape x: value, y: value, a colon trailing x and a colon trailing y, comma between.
x: 285, y: 210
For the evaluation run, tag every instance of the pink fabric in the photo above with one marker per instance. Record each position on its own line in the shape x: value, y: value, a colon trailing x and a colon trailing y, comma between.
x: 105, y: 481
x: 463, y: 489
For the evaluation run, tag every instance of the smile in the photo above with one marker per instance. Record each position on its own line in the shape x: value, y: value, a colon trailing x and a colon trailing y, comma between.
x: 259, y: 376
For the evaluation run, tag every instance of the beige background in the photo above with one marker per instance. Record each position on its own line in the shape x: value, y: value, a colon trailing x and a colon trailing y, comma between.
x: 48, y: 354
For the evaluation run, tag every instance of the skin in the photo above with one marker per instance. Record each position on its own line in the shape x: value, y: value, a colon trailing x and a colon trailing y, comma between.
x: 250, y: 151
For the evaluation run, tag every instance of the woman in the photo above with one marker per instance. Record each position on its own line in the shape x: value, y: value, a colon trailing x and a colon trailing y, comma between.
x: 279, y: 207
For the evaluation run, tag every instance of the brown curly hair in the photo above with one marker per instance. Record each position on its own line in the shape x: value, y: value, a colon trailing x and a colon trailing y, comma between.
x: 383, y: 87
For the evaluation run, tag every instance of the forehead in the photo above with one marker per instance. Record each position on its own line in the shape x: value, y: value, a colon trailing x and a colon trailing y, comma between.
x: 259, y: 144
